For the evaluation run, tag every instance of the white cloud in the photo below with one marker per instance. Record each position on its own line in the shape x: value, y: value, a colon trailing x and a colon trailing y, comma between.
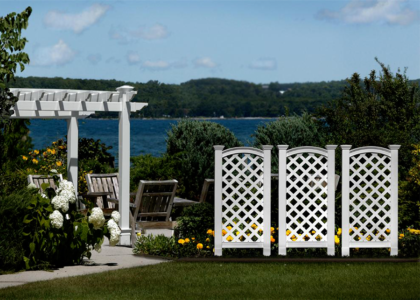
x: 264, y: 64
x: 124, y: 36
x: 133, y: 58
x: 94, y: 58
x: 58, y: 55
x: 76, y: 22
x: 393, y: 12
x: 162, y: 65
x: 204, y: 62
x: 155, y: 32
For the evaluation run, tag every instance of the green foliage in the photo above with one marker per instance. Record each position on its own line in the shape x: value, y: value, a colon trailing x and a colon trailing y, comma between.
x: 156, y: 245
x: 12, y: 211
x: 378, y: 111
x: 190, y: 145
x: 90, y: 149
x: 194, y: 221
x: 294, y: 131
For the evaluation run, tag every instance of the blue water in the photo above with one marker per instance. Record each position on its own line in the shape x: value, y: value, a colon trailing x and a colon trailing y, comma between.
x: 147, y: 136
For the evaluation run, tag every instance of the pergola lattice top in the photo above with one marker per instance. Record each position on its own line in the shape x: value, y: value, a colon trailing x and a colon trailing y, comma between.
x: 57, y: 103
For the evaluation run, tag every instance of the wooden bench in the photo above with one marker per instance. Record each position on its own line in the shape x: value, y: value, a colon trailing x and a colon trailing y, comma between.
x: 104, y: 183
x: 38, y: 180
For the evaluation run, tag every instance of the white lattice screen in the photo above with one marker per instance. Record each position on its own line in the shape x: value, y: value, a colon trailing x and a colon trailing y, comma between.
x: 368, y: 203
x: 241, y: 198
x: 306, y: 198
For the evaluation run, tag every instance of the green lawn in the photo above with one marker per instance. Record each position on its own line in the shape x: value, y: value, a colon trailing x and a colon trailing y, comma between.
x: 176, y: 280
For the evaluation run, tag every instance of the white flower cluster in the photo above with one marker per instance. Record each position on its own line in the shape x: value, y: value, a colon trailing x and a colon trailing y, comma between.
x: 66, y: 189
x: 60, y: 203
x: 32, y: 186
x: 56, y: 219
x: 114, y: 231
x: 116, y: 216
x: 97, y: 218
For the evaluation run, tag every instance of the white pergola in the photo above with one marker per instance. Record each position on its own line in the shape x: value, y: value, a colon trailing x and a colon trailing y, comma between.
x: 78, y: 104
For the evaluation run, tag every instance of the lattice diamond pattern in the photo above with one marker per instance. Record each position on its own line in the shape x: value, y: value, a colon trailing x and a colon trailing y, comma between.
x: 306, y: 197
x: 242, y: 198
x: 370, y: 197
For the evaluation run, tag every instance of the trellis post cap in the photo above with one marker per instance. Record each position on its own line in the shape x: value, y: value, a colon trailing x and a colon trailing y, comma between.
x: 218, y: 147
x: 267, y: 147
x: 331, y: 147
x: 394, y: 147
x: 345, y: 147
x: 125, y: 88
x: 282, y: 147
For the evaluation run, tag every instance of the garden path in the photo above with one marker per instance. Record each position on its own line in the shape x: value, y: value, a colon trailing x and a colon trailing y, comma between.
x: 110, y: 258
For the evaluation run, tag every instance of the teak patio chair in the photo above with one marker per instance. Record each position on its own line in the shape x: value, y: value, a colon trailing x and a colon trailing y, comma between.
x: 207, y: 195
x: 38, y: 180
x: 104, y: 183
x: 152, y: 207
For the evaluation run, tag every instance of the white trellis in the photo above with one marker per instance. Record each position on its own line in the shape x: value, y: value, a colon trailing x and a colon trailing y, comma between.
x: 306, y: 198
x: 75, y: 104
x: 242, y: 198
x: 370, y: 198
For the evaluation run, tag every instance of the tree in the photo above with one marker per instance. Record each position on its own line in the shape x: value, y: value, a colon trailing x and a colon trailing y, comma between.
x: 378, y: 111
x: 14, y: 134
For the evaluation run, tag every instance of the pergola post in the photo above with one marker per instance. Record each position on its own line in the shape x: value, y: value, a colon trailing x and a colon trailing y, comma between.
x: 124, y: 165
x: 73, y: 149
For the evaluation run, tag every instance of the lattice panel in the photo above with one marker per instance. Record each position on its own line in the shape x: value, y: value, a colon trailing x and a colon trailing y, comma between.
x: 370, y: 197
x: 242, y: 198
x: 306, y: 197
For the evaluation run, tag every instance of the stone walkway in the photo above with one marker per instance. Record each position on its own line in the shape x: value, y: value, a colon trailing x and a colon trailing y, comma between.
x: 110, y: 258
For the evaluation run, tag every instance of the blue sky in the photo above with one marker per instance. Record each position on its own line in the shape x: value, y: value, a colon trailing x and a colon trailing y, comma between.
x: 257, y: 41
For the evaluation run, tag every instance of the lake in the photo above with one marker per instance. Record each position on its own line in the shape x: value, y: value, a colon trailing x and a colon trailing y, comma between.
x: 147, y: 136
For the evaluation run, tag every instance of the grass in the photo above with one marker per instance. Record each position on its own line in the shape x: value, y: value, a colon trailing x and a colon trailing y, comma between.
x: 177, y: 280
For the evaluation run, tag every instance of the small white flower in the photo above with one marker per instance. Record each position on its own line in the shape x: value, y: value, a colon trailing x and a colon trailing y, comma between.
x: 61, y: 203
x: 56, y: 219
x: 116, y: 216
x: 97, y: 218
x: 31, y: 186
x: 53, y: 171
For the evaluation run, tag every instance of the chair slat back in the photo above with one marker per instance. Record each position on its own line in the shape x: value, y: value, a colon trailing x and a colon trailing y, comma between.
x: 154, y: 200
x: 104, y: 183
x: 207, y: 192
x: 38, y: 180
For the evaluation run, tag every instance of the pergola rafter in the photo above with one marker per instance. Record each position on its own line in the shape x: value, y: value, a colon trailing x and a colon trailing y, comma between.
x: 78, y: 104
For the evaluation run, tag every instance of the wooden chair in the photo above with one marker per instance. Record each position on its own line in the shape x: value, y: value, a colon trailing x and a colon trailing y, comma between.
x: 207, y: 195
x: 38, y: 180
x: 152, y: 208
x: 104, y: 183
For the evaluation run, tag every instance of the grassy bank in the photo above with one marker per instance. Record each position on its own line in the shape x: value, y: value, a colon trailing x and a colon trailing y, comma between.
x: 235, y: 281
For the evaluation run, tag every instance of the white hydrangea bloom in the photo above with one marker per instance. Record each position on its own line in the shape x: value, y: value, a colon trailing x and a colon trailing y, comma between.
x: 61, y: 203
x: 114, y: 231
x: 32, y: 186
x: 69, y: 195
x: 56, y: 219
x: 97, y: 218
x: 116, y: 216
x: 53, y: 171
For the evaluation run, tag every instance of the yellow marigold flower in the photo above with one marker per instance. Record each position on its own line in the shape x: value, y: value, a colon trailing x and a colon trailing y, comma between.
x: 62, y: 147
x: 199, y: 246
x: 59, y: 163
x: 49, y: 150
x: 208, y: 247
x: 294, y: 239
x: 54, y: 143
x: 272, y: 239
x: 237, y: 233
x: 187, y: 240
x: 288, y: 232
x: 254, y: 226
x: 209, y: 231
x: 229, y: 228
x: 193, y: 238
x: 44, y: 153
x: 337, y: 240
x: 207, y: 240
x: 212, y: 233
x: 36, y: 152
x: 224, y: 232
x: 53, y: 151
x: 369, y: 238
x: 35, y: 161
x: 272, y: 229
x: 260, y: 230
x: 401, y: 236
x: 313, y: 232
x: 318, y: 237
x: 24, y: 157
x: 181, y: 241
x: 229, y: 238
x: 339, y: 231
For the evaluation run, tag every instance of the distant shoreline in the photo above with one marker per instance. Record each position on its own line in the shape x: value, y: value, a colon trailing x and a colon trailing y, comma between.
x: 194, y: 118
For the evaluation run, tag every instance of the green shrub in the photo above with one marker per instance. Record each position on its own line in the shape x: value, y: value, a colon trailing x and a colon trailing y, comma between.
x: 194, y: 221
x: 12, y: 211
x: 190, y: 145
x: 294, y: 131
x: 156, y: 245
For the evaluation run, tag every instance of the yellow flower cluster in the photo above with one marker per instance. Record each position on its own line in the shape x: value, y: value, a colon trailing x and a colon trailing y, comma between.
x: 414, y: 231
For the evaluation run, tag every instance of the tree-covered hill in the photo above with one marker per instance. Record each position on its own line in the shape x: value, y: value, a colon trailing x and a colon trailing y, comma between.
x: 210, y: 97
